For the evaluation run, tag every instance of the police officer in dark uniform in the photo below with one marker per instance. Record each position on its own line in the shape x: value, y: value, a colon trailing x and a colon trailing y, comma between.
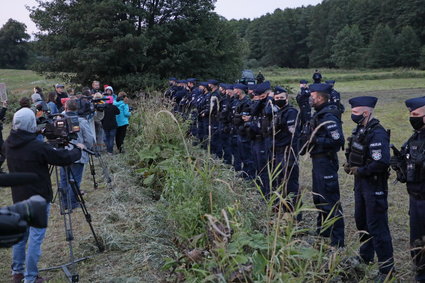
x: 212, y: 105
x: 202, y: 111
x: 172, y: 83
x: 184, y: 105
x: 194, y: 93
x: 368, y: 159
x: 303, y: 100
x: 258, y: 124
x: 180, y: 93
x: 410, y: 168
x: 260, y: 78
x: 327, y: 140
x: 242, y: 115
x: 225, y: 118
x: 335, y: 97
x: 284, y: 149
x: 222, y: 112
x: 317, y: 77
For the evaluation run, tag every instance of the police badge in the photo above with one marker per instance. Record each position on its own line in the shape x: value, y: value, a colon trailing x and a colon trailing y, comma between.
x: 335, y: 135
x: 376, y: 154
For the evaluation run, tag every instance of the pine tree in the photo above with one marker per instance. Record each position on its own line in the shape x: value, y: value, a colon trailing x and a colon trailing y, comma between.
x: 348, y: 47
x: 408, y: 48
x: 382, y: 50
x: 133, y: 43
x: 422, y: 58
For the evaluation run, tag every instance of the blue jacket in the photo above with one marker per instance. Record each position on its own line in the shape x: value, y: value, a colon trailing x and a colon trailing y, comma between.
x: 122, y: 118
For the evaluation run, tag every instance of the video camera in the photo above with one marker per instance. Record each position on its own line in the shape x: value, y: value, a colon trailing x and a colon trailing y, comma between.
x: 60, y: 129
x: 87, y: 105
x: 15, y: 219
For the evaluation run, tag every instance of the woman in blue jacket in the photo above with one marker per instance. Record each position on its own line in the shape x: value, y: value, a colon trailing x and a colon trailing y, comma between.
x: 122, y: 119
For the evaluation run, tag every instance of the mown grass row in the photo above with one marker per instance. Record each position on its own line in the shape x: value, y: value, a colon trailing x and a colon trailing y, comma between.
x: 222, y: 229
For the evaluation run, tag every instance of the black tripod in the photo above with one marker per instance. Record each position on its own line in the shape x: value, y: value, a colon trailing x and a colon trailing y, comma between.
x: 105, y: 170
x: 65, y: 203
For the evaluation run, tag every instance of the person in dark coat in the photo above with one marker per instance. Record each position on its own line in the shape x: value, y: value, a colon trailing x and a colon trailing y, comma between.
x: 109, y: 124
x: 325, y: 144
x: 410, y: 167
x: 60, y: 93
x: 25, y: 153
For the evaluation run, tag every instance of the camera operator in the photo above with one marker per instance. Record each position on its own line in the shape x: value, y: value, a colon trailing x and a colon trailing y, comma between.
x: 25, y: 153
x: 85, y: 136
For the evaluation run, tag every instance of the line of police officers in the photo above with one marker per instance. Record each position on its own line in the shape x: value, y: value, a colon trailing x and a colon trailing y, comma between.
x: 261, y: 134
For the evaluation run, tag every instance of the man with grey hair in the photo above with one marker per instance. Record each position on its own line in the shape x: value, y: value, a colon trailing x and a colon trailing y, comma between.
x: 25, y: 153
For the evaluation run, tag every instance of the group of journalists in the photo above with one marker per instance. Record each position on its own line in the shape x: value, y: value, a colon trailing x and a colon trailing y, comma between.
x: 58, y: 130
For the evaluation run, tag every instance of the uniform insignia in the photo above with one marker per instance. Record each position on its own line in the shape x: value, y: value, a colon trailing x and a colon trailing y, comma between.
x: 335, y: 135
x: 376, y: 154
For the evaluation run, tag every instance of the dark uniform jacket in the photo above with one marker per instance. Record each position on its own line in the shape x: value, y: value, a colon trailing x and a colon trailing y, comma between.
x: 329, y: 138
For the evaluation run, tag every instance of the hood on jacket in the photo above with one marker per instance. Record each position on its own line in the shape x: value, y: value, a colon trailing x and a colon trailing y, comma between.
x: 24, y: 120
x: 19, y: 138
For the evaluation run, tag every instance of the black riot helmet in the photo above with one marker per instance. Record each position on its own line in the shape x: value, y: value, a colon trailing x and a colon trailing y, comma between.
x: 317, y: 77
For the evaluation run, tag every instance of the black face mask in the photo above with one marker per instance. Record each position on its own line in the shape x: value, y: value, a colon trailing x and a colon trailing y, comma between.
x: 417, y: 122
x: 357, y: 118
x: 280, y: 103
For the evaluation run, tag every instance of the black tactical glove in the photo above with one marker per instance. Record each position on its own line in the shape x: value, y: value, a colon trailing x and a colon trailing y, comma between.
x: 346, y: 167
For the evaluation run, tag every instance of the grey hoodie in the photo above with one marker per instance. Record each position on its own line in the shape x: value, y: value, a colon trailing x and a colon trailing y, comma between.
x: 24, y: 119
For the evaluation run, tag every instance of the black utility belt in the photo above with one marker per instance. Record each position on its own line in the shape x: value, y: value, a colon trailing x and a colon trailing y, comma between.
x: 324, y: 154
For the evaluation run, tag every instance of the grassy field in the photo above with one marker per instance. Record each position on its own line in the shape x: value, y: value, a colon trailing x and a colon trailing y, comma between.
x: 135, y: 228
x: 351, y: 80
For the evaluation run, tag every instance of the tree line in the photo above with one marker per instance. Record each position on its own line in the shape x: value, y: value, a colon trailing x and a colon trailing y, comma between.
x: 339, y: 33
x: 140, y: 42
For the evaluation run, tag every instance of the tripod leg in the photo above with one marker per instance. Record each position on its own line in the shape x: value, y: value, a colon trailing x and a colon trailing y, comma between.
x: 80, y: 199
x: 71, y: 272
x: 93, y: 172
x: 105, y: 171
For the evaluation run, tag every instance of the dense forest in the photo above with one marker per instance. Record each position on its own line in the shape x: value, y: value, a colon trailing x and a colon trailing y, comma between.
x: 339, y: 33
x: 135, y: 42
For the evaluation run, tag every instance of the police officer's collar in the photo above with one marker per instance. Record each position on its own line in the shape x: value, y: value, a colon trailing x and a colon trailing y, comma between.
x: 320, y: 107
x: 421, y: 132
x: 369, y: 126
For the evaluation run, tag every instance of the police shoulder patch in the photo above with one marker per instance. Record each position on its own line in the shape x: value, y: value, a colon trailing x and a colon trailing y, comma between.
x: 376, y: 154
x: 335, y: 135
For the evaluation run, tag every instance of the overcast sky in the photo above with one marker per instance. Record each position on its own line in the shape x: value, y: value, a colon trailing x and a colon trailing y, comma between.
x: 230, y: 9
